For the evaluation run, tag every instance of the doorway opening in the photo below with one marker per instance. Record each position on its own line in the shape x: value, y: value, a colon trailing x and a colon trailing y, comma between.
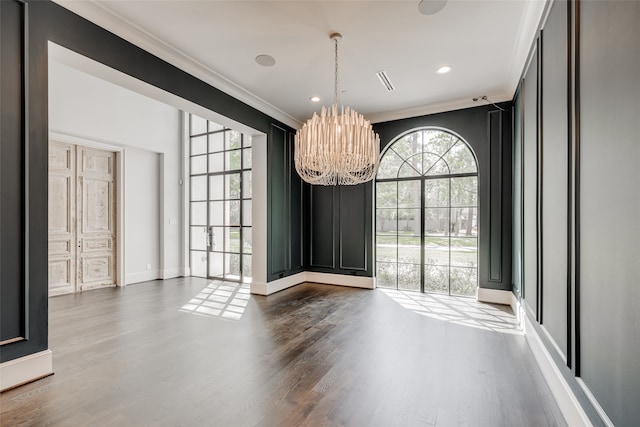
x: 427, y: 214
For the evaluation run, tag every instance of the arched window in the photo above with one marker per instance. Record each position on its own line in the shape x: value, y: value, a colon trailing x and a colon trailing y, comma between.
x: 427, y: 214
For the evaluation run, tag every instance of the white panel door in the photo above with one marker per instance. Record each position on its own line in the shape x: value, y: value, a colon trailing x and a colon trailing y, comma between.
x: 81, y: 218
x: 96, y: 231
x: 62, y: 221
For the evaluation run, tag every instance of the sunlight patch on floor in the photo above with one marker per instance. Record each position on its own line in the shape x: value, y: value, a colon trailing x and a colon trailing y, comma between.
x: 458, y: 310
x: 220, y: 299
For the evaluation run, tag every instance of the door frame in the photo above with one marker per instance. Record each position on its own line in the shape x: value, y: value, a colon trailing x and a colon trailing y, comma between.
x: 119, y: 176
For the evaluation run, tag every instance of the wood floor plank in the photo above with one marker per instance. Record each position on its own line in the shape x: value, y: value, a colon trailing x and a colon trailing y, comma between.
x: 191, y: 352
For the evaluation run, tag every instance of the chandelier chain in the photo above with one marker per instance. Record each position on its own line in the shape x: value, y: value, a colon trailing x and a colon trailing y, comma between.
x: 335, y: 86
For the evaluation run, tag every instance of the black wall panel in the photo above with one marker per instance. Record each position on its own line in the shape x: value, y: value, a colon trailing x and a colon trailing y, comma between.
x: 12, y: 169
x: 609, y: 206
x: 354, y: 228
x: 24, y: 183
x: 277, y: 172
x: 323, y: 226
x: 517, y: 196
x: 530, y: 186
x: 496, y: 192
x: 474, y: 126
x: 554, y: 175
x: 296, y: 212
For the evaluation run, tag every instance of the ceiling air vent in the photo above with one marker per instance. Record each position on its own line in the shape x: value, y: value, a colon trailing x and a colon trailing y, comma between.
x: 384, y: 79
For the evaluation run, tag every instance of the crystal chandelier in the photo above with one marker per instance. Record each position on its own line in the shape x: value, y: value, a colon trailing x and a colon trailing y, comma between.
x: 338, y: 147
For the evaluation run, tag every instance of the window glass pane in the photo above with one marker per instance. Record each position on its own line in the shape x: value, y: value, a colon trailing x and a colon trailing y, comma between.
x: 386, y: 194
x: 216, y: 142
x: 460, y: 225
x: 232, y: 140
x: 464, y: 252
x: 436, y: 250
x: 430, y: 160
x: 199, y: 213
x: 436, y: 221
x: 199, y: 238
x: 437, y: 142
x: 232, y: 186
x: 216, y: 213
x: 436, y: 193
x: 214, y: 127
x: 198, y: 165
x: 217, y: 239
x: 409, y: 194
x: 386, y: 220
x: 407, y: 171
x: 246, y: 141
x: 232, y: 266
x: 389, y: 165
x: 198, y: 264
x: 247, y: 246
x: 216, y: 264
x: 409, y: 277
x: 409, y: 221
x: 386, y: 275
x: 198, y: 145
x: 216, y: 162
x: 409, y: 145
x: 232, y: 212
x: 460, y: 159
x: 246, y: 160
x: 409, y: 249
x: 386, y: 248
x: 246, y: 268
x: 232, y: 239
x: 464, y: 281
x: 216, y: 187
x: 232, y: 160
x: 247, y: 185
x: 464, y: 191
x: 436, y: 279
x: 439, y: 168
x: 246, y: 212
x: 198, y: 125
x: 199, y: 188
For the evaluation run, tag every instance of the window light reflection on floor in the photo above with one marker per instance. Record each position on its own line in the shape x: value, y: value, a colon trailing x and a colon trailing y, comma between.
x: 458, y: 310
x: 220, y: 299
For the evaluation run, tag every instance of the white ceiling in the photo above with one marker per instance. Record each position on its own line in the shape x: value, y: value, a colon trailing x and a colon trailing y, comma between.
x: 486, y: 43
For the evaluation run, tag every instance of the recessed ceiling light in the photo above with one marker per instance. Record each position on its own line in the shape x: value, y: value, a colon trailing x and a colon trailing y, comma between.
x: 314, y: 99
x: 265, y: 60
x: 444, y: 69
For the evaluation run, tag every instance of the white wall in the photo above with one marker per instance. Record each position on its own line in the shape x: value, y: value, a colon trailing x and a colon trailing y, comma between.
x: 86, y: 107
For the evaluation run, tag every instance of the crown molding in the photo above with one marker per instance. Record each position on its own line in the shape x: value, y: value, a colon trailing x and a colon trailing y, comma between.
x: 111, y: 21
x: 441, y: 107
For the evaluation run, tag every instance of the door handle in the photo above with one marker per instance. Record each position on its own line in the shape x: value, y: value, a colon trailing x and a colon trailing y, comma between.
x: 211, y: 238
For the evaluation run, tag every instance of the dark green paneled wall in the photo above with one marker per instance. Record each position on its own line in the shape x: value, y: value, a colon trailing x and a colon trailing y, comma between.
x: 580, y: 150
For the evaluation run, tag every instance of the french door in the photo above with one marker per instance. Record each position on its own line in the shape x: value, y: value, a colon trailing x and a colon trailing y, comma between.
x: 220, y: 202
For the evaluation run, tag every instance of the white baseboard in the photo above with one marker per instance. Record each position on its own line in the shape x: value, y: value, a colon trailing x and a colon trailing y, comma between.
x: 310, y: 276
x: 341, y: 280
x: 171, y: 273
x: 564, y: 396
x: 25, y: 369
x: 494, y: 296
x: 143, y: 276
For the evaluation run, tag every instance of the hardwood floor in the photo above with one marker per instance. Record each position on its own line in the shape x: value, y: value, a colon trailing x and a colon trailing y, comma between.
x: 191, y: 352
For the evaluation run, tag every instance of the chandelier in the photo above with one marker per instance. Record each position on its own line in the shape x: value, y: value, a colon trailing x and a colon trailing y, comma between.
x: 338, y: 147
